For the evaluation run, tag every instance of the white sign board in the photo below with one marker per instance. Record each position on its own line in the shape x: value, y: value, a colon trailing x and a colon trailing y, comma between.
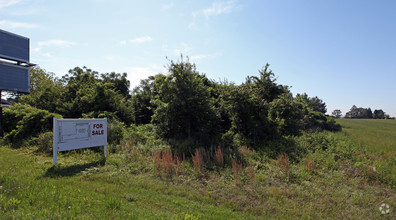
x: 70, y: 134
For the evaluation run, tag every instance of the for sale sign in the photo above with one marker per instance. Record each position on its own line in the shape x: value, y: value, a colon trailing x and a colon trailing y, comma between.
x: 70, y: 134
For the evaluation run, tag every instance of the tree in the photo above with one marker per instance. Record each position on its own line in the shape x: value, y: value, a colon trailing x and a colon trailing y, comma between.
x: 288, y: 114
x: 313, y: 104
x: 336, y: 113
x: 142, y: 100
x: 356, y: 112
x: 266, y: 85
x: 118, y: 82
x: 183, y: 105
x: 318, y: 105
x: 379, y: 114
x: 46, y: 91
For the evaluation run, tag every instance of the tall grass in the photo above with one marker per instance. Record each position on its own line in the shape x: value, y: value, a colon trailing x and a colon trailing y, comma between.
x: 378, y: 137
x: 198, y: 159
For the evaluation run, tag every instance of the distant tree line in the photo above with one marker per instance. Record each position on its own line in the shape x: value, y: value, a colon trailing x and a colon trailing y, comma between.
x: 182, y: 106
x: 362, y: 113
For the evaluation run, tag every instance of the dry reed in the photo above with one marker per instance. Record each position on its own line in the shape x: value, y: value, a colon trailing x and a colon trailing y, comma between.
x: 236, y: 168
x: 252, y: 174
x: 283, y: 162
x: 219, y: 158
x: 244, y: 151
x: 197, y: 159
x: 309, y: 164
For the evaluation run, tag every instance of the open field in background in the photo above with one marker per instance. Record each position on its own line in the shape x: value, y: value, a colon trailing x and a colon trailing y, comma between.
x: 378, y: 136
x: 335, y: 179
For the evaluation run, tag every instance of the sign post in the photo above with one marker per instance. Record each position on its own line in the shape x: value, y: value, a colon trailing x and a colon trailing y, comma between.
x: 70, y: 134
x: 1, y: 118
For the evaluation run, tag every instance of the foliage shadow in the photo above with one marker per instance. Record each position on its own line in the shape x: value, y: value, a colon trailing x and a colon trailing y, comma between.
x: 68, y: 171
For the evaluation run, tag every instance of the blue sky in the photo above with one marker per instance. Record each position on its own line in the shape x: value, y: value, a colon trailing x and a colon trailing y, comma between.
x: 343, y: 51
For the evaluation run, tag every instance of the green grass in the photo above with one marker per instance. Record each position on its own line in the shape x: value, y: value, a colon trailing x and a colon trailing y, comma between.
x: 82, y: 187
x: 127, y: 186
x: 378, y: 137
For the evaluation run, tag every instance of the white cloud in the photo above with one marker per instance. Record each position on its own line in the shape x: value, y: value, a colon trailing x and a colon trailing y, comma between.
x: 6, y: 3
x: 110, y: 58
x: 47, y: 54
x: 135, y: 74
x: 168, y: 6
x: 55, y: 43
x: 13, y: 25
x: 218, y: 8
x: 185, y: 48
x: 36, y: 49
x: 204, y: 56
x: 50, y: 43
x: 25, y: 11
x: 140, y: 40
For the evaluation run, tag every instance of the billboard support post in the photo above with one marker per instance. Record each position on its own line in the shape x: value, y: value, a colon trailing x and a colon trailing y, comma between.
x: 1, y: 118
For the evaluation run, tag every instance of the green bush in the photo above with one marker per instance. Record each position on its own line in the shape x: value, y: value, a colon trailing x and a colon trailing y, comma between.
x: 23, y: 121
x: 115, y: 132
x: 327, y: 148
x: 44, y: 142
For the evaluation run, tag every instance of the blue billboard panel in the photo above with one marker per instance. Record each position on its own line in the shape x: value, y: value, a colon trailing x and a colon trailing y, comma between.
x: 14, y: 47
x: 14, y: 78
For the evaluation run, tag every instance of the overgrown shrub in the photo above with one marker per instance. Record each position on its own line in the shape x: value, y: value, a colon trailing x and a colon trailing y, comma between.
x: 115, y: 132
x: 24, y: 121
x: 44, y: 142
x: 184, y: 106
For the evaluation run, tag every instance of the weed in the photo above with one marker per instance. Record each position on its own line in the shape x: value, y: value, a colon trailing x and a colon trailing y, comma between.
x: 309, y: 164
x: 13, y: 203
x: 186, y: 217
x: 252, y: 174
x: 179, y: 163
x: 127, y: 144
x: 197, y: 159
x: 113, y: 203
x: 219, y: 158
x: 130, y: 198
x: 236, y: 168
x: 244, y: 151
x: 283, y: 162
x: 44, y: 142
x: 157, y: 160
x: 167, y: 162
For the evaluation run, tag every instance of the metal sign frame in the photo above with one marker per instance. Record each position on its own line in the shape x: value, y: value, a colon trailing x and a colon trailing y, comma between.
x: 71, y: 134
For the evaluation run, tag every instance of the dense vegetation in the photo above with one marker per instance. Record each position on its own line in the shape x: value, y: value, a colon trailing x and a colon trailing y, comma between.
x: 183, y: 108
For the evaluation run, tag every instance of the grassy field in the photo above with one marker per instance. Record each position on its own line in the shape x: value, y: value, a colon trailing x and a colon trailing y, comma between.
x: 378, y: 137
x: 334, y: 179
